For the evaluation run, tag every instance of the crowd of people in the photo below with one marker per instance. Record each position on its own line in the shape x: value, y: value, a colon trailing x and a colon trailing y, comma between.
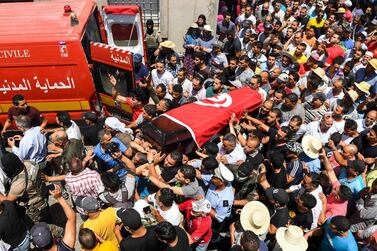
x: 298, y: 173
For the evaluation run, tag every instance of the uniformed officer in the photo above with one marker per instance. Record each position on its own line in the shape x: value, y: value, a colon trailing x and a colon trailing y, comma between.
x: 220, y: 194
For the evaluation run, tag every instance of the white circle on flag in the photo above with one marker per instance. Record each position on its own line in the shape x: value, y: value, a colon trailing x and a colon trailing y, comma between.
x: 222, y: 100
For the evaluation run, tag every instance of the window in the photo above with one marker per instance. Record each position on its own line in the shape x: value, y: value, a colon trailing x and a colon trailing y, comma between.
x: 124, y: 34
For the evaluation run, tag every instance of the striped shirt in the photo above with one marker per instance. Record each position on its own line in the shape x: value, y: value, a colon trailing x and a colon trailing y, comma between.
x: 86, y: 183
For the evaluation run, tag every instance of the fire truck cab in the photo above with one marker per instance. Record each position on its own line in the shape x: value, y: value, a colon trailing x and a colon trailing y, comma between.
x: 59, y: 54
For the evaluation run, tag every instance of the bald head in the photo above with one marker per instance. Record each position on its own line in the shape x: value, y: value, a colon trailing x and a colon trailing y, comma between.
x: 60, y: 137
x: 351, y: 149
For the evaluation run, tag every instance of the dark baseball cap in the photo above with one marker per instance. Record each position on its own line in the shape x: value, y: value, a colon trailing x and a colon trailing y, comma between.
x: 278, y: 195
x: 356, y: 164
x: 41, y: 235
x: 91, y: 116
x: 130, y: 218
x: 89, y: 204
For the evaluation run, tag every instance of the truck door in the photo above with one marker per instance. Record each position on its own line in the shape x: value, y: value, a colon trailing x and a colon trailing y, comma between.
x: 124, y: 28
x: 108, y: 60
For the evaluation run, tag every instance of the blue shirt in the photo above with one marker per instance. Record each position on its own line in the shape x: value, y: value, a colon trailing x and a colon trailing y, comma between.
x: 221, y: 201
x: 314, y: 165
x: 107, y: 159
x: 333, y: 242
x: 142, y: 73
x: 355, y: 184
x: 370, y: 79
x: 32, y: 146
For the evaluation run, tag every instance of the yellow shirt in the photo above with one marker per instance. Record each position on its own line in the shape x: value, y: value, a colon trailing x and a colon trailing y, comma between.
x: 299, y: 60
x: 105, y: 246
x: 313, y: 22
x: 104, y: 225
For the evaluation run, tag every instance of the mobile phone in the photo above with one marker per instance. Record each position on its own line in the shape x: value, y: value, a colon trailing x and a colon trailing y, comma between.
x: 51, y: 187
x: 147, y: 210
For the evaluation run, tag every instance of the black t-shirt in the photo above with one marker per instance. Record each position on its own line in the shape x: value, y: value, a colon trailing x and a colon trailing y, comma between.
x: 90, y: 134
x: 280, y: 217
x: 277, y: 180
x: 12, y: 224
x: 148, y: 242
x: 368, y: 151
x: 183, y: 241
x: 303, y: 220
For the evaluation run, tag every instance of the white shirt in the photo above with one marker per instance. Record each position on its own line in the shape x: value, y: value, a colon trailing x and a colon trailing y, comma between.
x: 172, y: 215
x: 331, y: 98
x: 234, y: 156
x: 313, y: 129
x: 316, y: 211
x: 199, y: 95
x: 186, y: 85
x: 242, y: 18
x: 73, y: 131
x: 3, y: 181
x: 361, y: 125
x: 339, y: 126
x: 165, y: 78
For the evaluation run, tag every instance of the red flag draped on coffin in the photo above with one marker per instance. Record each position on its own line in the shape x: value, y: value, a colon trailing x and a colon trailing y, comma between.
x: 205, y: 118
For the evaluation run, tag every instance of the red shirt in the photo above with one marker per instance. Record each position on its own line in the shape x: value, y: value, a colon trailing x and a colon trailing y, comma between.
x: 198, y: 227
x: 135, y: 111
x: 334, y: 51
x: 33, y: 113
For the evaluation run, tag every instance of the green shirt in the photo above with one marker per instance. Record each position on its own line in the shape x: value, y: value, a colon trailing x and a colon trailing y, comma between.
x: 211, y: 93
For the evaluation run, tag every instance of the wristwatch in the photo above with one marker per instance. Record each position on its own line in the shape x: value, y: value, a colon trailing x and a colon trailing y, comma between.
x: 150, y: 161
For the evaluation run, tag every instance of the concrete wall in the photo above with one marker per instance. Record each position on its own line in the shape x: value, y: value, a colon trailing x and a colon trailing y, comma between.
x: 177, y: 15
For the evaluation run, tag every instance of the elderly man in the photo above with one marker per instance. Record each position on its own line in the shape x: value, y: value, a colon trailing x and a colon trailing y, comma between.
x: 32, y: 145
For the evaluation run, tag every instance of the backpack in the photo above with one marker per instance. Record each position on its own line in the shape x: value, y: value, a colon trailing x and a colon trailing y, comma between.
x: 34, y: 177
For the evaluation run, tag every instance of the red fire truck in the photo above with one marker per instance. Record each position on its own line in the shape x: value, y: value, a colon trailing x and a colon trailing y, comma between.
x: 59, y: 54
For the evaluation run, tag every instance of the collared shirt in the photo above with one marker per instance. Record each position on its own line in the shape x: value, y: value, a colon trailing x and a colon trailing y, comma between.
x: 32, y: 146
x: 313, y: 129
x: 221, y: 201
x: 234, y: 156
x: 314, y: 165
x: 108, y: 159
x: 86, y: 183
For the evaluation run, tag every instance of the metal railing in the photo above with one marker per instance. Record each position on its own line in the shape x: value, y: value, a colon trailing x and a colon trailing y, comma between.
x: 150, y: 8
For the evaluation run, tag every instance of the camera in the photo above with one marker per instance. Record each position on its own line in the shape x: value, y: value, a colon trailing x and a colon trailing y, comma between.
x: 112, y: 147
x: 51, y: 187
x: 147, y: 210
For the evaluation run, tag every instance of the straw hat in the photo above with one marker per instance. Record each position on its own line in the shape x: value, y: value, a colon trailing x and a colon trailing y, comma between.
x: 364, y: 87
x: 353, y: 95
x: 373, y: 63
x: 291, y: 238
x: 319, y: 72
x: 207, y: 27
x: 311, y: 146
x: 288, y: 55
x: 341, y: 10
x: 255, y: 217
x: 167, y: 44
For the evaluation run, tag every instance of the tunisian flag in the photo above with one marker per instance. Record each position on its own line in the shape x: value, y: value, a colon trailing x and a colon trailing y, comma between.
x: 205, y: 118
